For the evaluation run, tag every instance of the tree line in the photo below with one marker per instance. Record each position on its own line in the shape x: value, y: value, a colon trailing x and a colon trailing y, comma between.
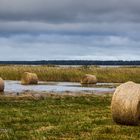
x: 70, y: 62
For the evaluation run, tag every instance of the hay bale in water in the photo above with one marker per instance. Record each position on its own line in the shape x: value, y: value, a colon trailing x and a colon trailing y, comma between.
x: 29, y: 78
x: 125, y: 104
x: 89, y: 79
x: 1, y: 85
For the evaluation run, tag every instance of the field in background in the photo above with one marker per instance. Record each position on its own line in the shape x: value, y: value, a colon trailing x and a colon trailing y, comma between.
x: 73, y: 74
x: 61, y: 117
x: 58, y: 117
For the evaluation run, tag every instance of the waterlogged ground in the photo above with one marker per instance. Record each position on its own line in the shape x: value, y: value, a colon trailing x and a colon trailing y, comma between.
x: 58, y: 87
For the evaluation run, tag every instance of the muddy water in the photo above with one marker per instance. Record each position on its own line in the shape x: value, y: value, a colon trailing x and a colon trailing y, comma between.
x: 15, y: 86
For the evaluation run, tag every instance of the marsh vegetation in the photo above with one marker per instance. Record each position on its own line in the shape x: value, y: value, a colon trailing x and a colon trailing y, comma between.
x: 73, y: 74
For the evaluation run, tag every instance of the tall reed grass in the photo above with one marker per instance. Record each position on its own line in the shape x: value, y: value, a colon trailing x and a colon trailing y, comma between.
x: 72, y: 74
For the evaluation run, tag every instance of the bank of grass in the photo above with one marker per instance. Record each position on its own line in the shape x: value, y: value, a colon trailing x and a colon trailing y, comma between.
x: 73, y: 74
x: 61, y: 118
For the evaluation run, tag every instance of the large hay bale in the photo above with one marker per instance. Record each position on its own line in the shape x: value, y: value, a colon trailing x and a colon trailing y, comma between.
x: 1, y: 85
x: 89, y: 79
x: 29, y: 78
x: 125, y: 104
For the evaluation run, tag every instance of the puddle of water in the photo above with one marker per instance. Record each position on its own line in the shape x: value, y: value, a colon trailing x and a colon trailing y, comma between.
x: 15, y: 86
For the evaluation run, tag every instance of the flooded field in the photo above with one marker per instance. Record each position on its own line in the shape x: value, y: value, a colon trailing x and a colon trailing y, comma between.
x: 15, y: 86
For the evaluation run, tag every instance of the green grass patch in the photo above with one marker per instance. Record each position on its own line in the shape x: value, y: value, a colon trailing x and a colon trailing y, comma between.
x: 61, y: 117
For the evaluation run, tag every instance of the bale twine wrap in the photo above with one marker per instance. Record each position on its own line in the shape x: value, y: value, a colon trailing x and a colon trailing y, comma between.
x: 29, y: 78
x: 125, y: 104
x: 89, y: 79
x: 1, y: 85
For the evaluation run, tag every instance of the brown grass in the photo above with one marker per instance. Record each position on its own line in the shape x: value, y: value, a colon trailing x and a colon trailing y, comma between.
x: 72, y: 74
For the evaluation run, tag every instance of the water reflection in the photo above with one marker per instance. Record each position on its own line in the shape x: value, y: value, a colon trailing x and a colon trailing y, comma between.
x: 15, y: 86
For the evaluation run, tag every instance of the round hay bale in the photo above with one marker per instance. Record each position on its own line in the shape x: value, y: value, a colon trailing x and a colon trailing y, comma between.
x: 1, y: 85
x: 125, y: 105
x: 89, y: 79
x: 29, y: 78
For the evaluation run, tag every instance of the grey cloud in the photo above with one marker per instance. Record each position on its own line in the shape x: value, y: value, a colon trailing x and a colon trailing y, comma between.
x: 128, y: 29
x: 69, y: 29
x: 114, y: 17
x: 70, y: 10
x: 68, y: 47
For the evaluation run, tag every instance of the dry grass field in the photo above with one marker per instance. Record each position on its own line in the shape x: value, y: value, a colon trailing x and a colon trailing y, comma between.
x: 73, y: 74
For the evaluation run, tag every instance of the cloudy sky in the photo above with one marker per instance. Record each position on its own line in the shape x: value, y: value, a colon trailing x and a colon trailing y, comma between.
x: 69, y: 29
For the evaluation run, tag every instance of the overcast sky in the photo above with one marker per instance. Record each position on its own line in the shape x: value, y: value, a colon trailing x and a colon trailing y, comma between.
x: 70, y: 29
